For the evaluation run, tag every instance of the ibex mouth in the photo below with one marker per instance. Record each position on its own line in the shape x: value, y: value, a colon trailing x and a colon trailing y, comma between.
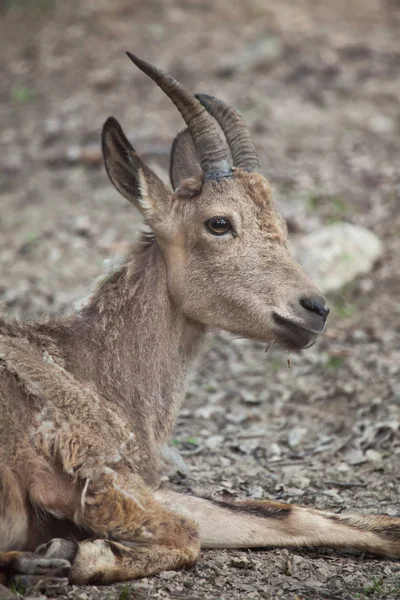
x: 292, y: 335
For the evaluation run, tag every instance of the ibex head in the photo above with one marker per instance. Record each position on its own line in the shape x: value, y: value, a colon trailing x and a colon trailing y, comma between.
x: 222, y: 238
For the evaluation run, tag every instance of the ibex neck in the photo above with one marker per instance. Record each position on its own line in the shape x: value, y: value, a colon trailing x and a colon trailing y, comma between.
x: 137, y: 346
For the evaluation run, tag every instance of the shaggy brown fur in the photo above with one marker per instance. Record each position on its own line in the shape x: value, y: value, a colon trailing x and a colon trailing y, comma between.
x: 87, y: 402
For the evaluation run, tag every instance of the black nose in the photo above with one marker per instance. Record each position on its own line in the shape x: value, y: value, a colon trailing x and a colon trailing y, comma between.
x: 316, y: 306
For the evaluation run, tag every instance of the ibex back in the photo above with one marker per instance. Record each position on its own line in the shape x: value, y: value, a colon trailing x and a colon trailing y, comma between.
x: 87, y: 402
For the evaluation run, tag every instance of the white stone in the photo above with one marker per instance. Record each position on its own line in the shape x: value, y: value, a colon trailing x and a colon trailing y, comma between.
x: 336, y: 254
x: 296, y: 435
x: 374, y: 456
x: 214, y: 441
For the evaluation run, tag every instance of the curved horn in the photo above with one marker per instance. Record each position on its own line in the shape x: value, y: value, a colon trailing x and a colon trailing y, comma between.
x: 237, y: 133
x: 213, y: 156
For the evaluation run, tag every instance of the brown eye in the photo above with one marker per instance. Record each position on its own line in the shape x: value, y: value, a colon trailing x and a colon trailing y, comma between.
x: 218, y: 225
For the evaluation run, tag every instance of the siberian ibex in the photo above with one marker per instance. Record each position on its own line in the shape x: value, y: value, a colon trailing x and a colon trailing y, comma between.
x: 86, y: 402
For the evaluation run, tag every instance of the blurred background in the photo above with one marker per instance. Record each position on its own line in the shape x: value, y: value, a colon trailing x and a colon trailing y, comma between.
x: 319, y: 85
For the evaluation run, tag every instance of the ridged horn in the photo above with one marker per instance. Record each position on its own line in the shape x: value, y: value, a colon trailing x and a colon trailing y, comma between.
x: 213, y: 156
x: 237, y: 133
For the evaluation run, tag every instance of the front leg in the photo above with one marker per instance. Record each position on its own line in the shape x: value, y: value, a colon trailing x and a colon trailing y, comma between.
x: 95, y: 485
x: 132, y: 534
x: 102, y: 562
x: 142, y: 536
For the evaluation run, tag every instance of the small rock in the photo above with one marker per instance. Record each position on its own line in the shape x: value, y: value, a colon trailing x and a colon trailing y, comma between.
x: 359, y: 335
x: 72, y: 155
x: 275, y: 450
x: 374, y: 456
x: 168, y: 574
x: 214, y: 441
x: 249, y: 397
x: 82, y: 225
x: 247, y: 447
x: 184, y: 412
x: 207, y: 412
x: 236, y: 417
x: 226, y: 486
x: 241, y: 562
x: 355, y: 457
x: 256, y: 492
x: 52, y: 130
x: 343, y: 467
x: 381, y: 124
x: 296, y: 435
x: 366, y: 286
x: 336, y: 254
x: 300, y: 482
x: 334, y: 495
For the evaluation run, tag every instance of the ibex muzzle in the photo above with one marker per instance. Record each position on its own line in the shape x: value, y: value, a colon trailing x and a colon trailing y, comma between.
x: 302, y: 327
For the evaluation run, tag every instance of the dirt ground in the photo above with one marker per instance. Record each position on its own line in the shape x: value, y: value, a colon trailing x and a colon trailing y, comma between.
x: 319, y: 84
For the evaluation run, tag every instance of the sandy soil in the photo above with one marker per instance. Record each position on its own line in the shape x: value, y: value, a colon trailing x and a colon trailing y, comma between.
x: 319, y: 84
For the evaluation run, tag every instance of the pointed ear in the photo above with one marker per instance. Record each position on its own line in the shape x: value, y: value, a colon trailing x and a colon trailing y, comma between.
x: 127, y: 172
x: 184, y: 163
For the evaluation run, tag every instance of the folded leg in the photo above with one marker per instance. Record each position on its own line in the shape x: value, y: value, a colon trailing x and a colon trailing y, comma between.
x: 102, y: 561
